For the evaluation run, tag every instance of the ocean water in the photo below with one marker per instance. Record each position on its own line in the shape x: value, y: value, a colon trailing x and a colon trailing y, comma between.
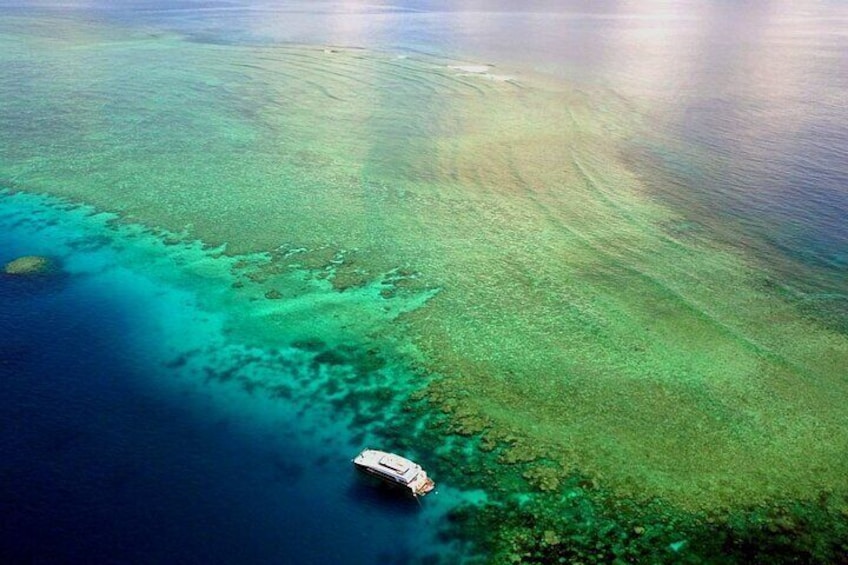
x: 121, y: 442
x: 604, y: 240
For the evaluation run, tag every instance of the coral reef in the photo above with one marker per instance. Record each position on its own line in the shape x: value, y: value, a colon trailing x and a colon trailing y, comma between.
x: 29, y: 265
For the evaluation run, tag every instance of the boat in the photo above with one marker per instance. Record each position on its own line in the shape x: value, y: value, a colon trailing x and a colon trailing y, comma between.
x: 395, y: 470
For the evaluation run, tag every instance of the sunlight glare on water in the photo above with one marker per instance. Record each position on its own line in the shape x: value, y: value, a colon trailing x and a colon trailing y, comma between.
x: 579, y: 255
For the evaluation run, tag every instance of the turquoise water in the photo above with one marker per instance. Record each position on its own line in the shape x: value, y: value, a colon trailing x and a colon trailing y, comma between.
x: 129, y: 429
x: 256, y: 204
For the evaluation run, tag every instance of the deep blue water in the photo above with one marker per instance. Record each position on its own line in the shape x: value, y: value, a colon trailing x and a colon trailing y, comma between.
x: 98, y: 469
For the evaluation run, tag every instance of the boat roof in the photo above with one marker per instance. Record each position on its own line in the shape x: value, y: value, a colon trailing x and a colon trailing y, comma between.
x: 388, y: 463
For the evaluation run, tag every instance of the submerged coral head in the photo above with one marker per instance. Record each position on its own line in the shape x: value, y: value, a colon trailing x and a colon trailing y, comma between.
x: 30, y: 265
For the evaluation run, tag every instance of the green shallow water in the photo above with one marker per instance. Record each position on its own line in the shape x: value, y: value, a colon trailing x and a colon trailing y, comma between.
x: 485, y: 227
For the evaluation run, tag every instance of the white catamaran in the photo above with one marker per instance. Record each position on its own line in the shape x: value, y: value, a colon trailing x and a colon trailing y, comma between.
x: 395, y: 469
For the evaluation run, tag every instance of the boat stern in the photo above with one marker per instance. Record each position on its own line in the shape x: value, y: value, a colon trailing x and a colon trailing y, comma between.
x: 422, y: 484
